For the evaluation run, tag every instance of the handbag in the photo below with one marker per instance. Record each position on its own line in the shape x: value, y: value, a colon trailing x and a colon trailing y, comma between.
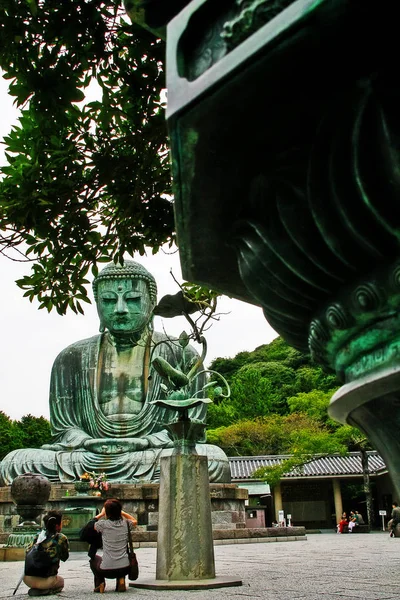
x: 133, y: 563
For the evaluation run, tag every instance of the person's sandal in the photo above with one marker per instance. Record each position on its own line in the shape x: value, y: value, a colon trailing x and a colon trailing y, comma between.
x: 100, y: 588
x: 121, y: 587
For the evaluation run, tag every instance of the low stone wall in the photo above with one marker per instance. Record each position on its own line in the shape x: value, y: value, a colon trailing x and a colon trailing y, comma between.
x: 143, y: 539
x: 140, y: 500
x: 357, y: 529
x: 232, y: 536
x: 260, y: 532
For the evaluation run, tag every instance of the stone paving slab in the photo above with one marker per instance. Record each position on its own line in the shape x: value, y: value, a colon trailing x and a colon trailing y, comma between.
x: 323, y: 567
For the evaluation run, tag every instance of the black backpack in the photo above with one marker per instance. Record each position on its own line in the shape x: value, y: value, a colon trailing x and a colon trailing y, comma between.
x: 38, y: 562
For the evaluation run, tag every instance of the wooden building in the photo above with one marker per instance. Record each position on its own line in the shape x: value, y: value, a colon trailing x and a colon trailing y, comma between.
x: 316, y: 495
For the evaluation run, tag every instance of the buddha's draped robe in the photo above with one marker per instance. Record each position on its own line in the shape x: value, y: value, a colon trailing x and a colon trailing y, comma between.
x: 76, y: 415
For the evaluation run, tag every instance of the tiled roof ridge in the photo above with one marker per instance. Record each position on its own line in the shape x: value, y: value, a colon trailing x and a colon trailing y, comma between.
x: 242, y: 467
x: 261, y: 456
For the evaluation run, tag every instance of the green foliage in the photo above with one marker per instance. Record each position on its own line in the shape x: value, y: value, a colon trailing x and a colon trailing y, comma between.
x: 315, y: 404
x: 262, y: 388
x: 35, y: 431
x: 262, y: 381
x: 311, y: 376
x: 199, y: 294
x: 354, y: 439
x: 308, y: 374
x: 85, y: 182
x: 279, y: 405
x: 8, y: 435
x: 304, y: 445
x: 273, y: 434
x: 29, y: 432
x: 329, y: 437
x: 229, y: 366
x: 279, y: 351
x: 220, y: 414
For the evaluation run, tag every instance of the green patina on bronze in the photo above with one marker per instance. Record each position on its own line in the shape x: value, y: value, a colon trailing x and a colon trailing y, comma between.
x: 362, y: 322
x: 291, y: 201
x: 178, y: 386
x: 302, y: 190
x: 103, y: 390
x: 253, y: 15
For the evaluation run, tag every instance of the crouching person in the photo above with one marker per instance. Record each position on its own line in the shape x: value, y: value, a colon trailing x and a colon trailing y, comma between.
x: 113, y: 524
x: 43, y: 555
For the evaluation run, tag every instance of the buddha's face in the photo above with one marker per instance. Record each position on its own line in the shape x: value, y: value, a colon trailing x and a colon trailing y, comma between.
x: 124, y: 305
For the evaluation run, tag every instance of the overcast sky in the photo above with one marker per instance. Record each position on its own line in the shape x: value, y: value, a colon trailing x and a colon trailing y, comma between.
x: 32, y: 338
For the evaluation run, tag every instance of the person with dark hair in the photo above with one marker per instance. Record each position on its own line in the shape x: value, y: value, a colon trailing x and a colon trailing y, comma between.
x: 395, y: 520
x: 43, y: 555
x: 360, y: 518
x: 353, y: 521
x: 112, y: 522
x: 342, y: 524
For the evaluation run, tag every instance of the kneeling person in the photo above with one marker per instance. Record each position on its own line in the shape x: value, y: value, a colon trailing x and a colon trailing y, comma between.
x: 43, y: 555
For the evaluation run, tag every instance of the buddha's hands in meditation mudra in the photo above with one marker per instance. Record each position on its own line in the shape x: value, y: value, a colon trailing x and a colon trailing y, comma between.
x: 105, y: 445
x: 115, y: 445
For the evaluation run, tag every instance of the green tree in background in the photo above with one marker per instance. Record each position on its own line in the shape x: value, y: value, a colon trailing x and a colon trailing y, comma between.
x: 85, y: 181
x: 8, y: 436
x: 275, y: 434
x: 262, y: 388
x: 262, y: 381
x: 35, y: 431
x: 29, y: 432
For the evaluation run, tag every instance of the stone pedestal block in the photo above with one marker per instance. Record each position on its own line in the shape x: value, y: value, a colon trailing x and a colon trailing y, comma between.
x: 185, y: 543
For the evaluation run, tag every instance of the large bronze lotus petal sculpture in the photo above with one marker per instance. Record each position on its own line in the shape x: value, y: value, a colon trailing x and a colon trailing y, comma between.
x: 178, y: 398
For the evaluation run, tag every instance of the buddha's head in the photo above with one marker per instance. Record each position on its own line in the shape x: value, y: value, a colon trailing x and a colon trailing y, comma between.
x: 125, y: 296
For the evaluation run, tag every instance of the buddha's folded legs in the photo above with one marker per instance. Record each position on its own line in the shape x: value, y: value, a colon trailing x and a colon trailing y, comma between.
x: 28, y: 460
x: 129, y: 467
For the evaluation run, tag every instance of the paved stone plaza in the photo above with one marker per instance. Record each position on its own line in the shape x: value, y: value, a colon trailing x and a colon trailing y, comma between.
x: 326, y: 566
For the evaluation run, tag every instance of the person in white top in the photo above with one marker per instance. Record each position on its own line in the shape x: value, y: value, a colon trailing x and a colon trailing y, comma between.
x: 112, y: 522
x: 352, y: 521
